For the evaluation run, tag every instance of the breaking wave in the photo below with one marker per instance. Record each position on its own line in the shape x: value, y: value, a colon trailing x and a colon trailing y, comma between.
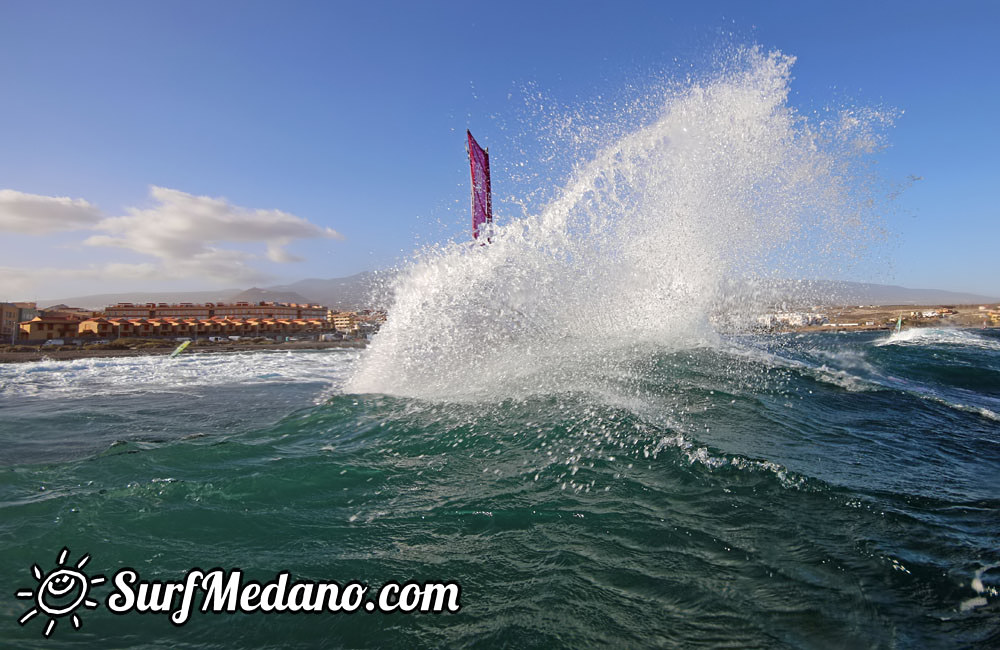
x: 55, y: 379
x: 941, y: 336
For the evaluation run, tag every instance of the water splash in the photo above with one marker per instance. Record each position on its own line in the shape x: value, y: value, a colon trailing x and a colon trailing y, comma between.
x: 662, y: 238
x: 940, y: 336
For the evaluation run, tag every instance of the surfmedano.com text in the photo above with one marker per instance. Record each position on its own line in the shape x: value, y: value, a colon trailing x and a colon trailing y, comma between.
x: 227, y: 591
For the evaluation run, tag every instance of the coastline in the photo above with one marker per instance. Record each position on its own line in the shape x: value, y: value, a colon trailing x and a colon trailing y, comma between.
x: 70, y: 355
x: 838, y: 320
x: 884, y: 317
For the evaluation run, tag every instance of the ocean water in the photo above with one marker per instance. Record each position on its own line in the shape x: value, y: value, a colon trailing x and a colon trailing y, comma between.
x: 574, y: 423
x: 816, y: 490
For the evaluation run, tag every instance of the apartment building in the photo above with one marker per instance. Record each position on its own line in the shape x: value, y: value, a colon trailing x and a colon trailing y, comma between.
x: 11, y: 314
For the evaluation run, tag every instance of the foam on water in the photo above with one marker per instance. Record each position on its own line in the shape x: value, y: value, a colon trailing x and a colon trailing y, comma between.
x: 52, y: 379
x: 940, y: 336
x: 728, y: 186
x: 981, y: 590
x: 978, y: 410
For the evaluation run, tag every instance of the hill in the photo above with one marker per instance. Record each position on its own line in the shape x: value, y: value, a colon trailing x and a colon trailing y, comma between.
x: 102, y: 300
x: 356, y: 291
x: 255, y: 294
x: 366, y: 290
x: 885, y: 294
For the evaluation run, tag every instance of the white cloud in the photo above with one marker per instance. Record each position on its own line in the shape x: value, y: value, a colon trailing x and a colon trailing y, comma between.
x: 33, y: 214
x: 186, y: 235
x: 183, y: 226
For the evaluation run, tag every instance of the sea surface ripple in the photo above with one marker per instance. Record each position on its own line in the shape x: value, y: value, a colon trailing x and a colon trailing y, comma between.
x: 814, y: 490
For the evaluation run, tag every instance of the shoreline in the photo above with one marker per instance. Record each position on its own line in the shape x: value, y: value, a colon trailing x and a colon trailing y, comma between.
x: 878, y: 328
x: 862, y: 318
x: 71, y: 355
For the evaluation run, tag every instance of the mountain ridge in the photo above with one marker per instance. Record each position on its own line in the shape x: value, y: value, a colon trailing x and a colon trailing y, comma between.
x: 366, y: 290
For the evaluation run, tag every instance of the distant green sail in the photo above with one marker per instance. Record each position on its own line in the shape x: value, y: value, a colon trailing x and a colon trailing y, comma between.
x: 180, y: 348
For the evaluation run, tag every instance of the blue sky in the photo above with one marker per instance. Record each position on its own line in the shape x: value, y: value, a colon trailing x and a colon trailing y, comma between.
x: 319, y: 139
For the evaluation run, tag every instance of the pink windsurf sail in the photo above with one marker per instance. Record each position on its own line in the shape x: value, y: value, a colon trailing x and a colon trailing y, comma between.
x: 482, y: 201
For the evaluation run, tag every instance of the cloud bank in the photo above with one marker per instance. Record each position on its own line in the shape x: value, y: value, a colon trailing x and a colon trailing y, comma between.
x: 184, y: 231
x: 33, y: 214
x: 185, y: 236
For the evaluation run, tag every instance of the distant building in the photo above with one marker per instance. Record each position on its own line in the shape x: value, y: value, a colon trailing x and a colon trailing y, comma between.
x: 11, y: 315
x: 111, y: 328
x: 65, y: 311
x: 161, y: 320
x: 791, y: 319
x: 343, y: 321
x: 43, y: 328
x: 215, y: 310
x: 101, y: 328
x: 8, y: 322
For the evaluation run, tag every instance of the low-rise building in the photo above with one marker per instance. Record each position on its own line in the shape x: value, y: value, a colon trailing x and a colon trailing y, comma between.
x: 43, y: 328
x: 98, y: 328
x: 343, y: 321
x: 790, y: 319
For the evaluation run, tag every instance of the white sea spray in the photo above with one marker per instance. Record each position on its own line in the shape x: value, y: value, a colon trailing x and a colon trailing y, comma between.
x: 667, y: 235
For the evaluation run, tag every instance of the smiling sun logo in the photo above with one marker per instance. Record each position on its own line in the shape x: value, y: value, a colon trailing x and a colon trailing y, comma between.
x: 60, y: 592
